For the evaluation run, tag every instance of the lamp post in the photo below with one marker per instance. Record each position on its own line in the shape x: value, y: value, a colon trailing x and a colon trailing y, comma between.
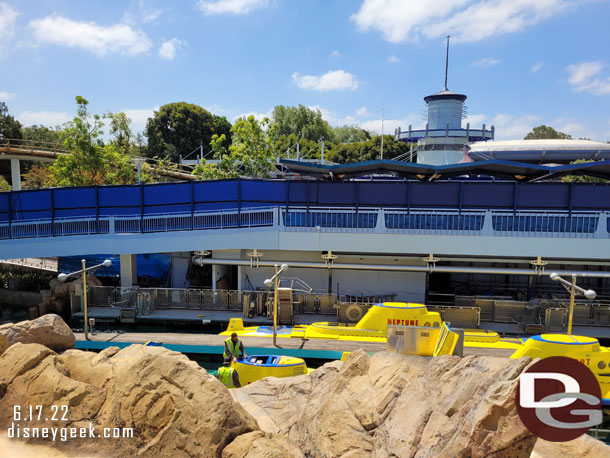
x: 63, y: 277
x: 138, y: 162
x: 275, y: 280
x: 573, y: 289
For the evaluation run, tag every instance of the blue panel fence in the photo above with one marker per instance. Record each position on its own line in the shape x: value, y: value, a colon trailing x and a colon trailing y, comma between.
x: 196, y: 197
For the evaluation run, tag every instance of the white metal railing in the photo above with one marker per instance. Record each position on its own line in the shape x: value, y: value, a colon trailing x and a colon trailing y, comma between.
x: 56, y: 227
x: 330, y: 219
x: 545, y: 223
x: 433, y: 221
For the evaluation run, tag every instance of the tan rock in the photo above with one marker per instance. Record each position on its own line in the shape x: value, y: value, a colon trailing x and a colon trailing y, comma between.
x: 577, y: 448
x: 260, y: 445
x: 173, y: 405
x: 394, y: 405
x: 49, y: 330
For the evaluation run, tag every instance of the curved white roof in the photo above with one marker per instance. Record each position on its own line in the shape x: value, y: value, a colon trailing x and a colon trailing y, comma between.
x: 538, y: 145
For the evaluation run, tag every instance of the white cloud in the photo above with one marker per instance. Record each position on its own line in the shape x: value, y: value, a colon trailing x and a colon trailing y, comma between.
x: 231, y: 6
x: 259, y: 116
x: 5, y: 96
x: 335, y: 54
x: 393, y: 59
x: 537, y: 66
x: 390, y: 125
x: 363, y: 112
x: 337, y: 80
x: 169, y: 48
x: 584, y: 78
x: 8, y: 18
x: 141, y: 12
x: 573, y: 128
x: 485, y: 62
x: 508, y: 126
x: 46, y: 118
x: 101, y: 40
x: 465, y: 20
x: 138, y: 117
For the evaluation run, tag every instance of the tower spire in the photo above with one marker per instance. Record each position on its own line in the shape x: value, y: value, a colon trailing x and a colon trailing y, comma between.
x: 447, y: 63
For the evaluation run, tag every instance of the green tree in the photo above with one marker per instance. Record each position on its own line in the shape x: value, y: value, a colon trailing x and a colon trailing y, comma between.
x: 582, y: 178
x: 302, y: 122
x: 120, y: 131
x: 39, y: 176
x: 9, y: 126
x: 179, y: 128
x: 44, y: 134
x: 4, y: 186
x: 250, y: 153
x: 222, y: 126
x: 286, y: 146
x: 368, y: 150
x: 545, y: 132
x: 351, y: 134
x: 89, y: 161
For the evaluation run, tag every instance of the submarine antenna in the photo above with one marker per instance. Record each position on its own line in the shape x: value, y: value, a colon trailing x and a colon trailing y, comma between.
x: 447, y: 62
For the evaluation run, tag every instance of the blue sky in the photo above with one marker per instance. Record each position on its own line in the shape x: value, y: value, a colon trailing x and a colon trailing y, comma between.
x: 522, y: 63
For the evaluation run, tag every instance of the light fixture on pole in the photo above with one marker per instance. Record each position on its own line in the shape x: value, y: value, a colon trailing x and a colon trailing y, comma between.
x: 138, y: 162
x: 275, y: 280
x: 63, y: 277
x: 573, y: 289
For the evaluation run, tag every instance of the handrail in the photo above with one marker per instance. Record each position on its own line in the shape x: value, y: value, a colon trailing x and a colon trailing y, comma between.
x: 40, y: 145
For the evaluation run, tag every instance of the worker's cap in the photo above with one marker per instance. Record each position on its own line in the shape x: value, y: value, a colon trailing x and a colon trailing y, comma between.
x: 234, y: 334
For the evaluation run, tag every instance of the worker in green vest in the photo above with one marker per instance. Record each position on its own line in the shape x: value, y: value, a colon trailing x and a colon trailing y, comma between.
x: 233, y: 346
x: 228, y: 376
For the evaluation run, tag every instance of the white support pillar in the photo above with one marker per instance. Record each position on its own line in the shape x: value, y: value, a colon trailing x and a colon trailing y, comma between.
x: 129, y: 271
x: 218, y: 271
x: 240, y: 274
x: 16, y: 174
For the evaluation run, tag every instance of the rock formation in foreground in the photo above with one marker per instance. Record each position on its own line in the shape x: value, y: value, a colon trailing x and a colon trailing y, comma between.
x: 386, y: 405
x: 175, y: 407
x: 394, y: 405
x: 49, y: 330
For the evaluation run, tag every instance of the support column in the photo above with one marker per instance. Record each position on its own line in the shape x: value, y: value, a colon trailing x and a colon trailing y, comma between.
x: 129, y: 274
x: 180, y: 266
x: 239, y: 278
x: 16, y: 174
x: 218, y: 271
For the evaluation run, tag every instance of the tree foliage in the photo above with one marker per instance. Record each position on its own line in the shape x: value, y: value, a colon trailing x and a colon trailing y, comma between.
x: 302, y: 122
x: 122, y: 137
x: 4, y: 185
x: 177, y: 129
x: 582, y: 178
x: 250, y: 153
x: 9, y: 126
x: 351, y: 134
x: 546, y: 132
x: 89, y: 162
x: 39, y: 176
x: 44, y: 134
x: 368, y: 150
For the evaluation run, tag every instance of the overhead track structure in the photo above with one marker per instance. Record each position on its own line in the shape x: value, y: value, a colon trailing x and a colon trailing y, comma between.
x: 506, y: 170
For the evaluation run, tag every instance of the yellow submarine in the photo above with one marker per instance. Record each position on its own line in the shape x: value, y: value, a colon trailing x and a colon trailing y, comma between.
x: 257, y: 367
x: 373, y: 326
x: 587, y: 350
